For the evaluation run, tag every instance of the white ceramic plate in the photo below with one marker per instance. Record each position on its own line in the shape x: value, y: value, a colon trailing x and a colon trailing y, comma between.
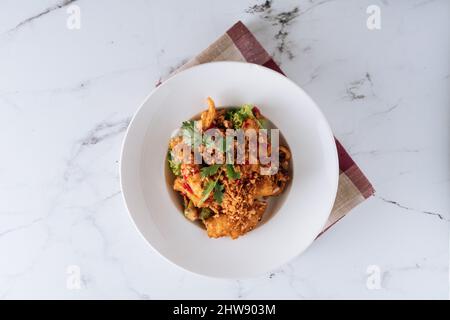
x: 304, y: 207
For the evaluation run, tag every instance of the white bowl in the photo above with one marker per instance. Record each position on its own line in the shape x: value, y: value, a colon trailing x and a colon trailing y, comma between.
x: 306, y: 205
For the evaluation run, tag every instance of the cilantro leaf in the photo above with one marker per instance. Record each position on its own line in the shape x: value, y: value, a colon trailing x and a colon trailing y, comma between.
x: 188, y: 125
x: 218, y: 193
x: 210, y: 186
x: 209, y: 171
x: 190, y: 133
x: 246, y: 111
x: 207, y: 191
x: 240, y: 115
x: 232, y: 174
x: 230, y: 113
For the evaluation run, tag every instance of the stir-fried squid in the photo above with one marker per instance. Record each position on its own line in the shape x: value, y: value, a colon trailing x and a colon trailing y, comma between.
x: 228, y: 199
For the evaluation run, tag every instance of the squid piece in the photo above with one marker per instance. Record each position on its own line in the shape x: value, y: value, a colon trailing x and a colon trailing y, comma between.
x: 287, y: 153
x: 190, y: 184
x: 265, y: 187
x: 208, y: 116
x: 195, y: 184
x: 183, y: 186
x: 221, y: 225
x: 285, y: 156
x: 218, y: 226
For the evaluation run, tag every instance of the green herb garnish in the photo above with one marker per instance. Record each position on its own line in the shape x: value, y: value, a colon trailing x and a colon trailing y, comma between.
x: 210, y: 186
x: 209, y: 171
x: 232, y: 174
x: 190, y: 134
x: 173, y: 164
x: 218, y: 193
x: 238, y: 116
x: 207, y: 191
x: 230, y: 112
x: 205, y: 213
x: 241, y: 115
x: 188, y: 125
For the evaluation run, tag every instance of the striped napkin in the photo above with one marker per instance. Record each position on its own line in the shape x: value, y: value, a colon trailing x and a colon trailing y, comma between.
x: 239, y: 44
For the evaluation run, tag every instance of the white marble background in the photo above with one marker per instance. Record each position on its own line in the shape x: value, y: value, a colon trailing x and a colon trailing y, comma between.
x: 66, y: 97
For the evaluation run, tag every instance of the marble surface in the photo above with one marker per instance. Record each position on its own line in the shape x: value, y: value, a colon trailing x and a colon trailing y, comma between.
x: 67, y: 95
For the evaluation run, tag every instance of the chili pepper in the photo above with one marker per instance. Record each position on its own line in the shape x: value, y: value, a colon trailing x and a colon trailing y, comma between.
x: 187, y: 187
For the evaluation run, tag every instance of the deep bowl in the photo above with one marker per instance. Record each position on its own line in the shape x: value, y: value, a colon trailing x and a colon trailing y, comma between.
x: 304, y: 208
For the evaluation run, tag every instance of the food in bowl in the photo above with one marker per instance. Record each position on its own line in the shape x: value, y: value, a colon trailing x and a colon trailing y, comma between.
x: 223, y: 183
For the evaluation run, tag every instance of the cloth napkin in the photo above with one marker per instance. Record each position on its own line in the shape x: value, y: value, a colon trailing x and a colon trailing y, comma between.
x: 239, y: 44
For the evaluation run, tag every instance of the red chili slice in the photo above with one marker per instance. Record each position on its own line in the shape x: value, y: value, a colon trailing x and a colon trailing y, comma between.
x: 187, y: 187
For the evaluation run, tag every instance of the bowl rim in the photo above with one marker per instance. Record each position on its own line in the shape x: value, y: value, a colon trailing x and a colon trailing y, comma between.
x: 329, y: 133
